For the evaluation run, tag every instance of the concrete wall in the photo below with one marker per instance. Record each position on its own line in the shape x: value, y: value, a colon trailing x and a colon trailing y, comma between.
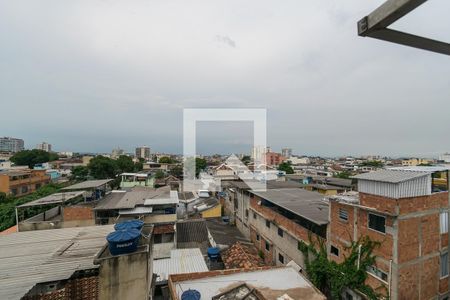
x: 160, y: 218
x: 124, y: 277
x: 213, y: 212
x: 287, y: 245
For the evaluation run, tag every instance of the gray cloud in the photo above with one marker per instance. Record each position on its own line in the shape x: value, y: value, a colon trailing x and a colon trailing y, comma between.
x: 92, y: 75
x: 226, y: 40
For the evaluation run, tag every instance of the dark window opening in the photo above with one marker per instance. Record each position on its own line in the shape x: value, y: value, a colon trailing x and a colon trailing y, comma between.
x: 377, y: 223
x: 280, y: 232
x: 280, y: 258
x: 267, y: 246
x: 267, y: 223
x: 334, y: 250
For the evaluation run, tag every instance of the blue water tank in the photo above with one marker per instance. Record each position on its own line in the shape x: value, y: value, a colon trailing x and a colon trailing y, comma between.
x: 213, y: 253
x: 123, y: 241
x: 130, y: 224
x: 190, y: 295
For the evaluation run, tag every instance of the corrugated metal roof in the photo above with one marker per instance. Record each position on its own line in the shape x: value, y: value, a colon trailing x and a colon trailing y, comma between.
x: 181, y: 261
x: 392, y: 175
x: 161, y: 201
x: 131, y: 199
x: 137, y: 210
x: 53, y: 199
x: 28, y: 258
x: 88, y: 184
x: 309, y: 205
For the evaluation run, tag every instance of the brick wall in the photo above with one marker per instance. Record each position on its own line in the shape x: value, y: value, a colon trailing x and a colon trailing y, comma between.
x: 380, y: 203
x: 434, y: 201
x: 85, y: 288
x: 74, y: 213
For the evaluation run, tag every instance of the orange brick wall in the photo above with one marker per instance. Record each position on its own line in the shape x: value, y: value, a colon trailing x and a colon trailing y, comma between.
x: 380, y: 203
x: 408, y: 205
x: 74, y: 213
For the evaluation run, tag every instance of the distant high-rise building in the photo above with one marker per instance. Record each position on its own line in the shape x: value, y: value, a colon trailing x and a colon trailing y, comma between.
x: 115, y: 153
x: 259, y: 154
x: 286, y: 152
x: 44, y: 146
x: 9, y: 144
x: 143, y: 152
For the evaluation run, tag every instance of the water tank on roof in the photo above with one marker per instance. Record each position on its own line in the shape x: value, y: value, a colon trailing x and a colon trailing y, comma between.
x: 190, y: 295
x: 130, y: 224
x: 123, y: 241
x: 213, y: 253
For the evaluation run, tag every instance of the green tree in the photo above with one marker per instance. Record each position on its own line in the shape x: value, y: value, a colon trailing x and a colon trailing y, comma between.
x: 125, y: 164
x: 159, y: 174
x: 101, y: 167
x: 32, y: 157
x: 165, y: 160
x: 331, y: 277
x: 343, y: 174
x: 286, y: 167
x: 7, y: 207
x: 246, y: 159
x: 200, y: 165
x: 176, y: 171
x: 372, y: 163
x: 80, y: 173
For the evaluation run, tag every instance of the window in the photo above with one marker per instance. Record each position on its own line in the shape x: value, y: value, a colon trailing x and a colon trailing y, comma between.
x: 280, y: 232
x: 378, y: 273
x: 348, y: 296
x: 343, y: 214
x: 267, y: 246
x: 14, y: 191
x: 280, y: 258
x: 334, y: 250
x: 254, y: 215
x: 24, y: 189
x: 267, y: 223
x: 257, y: 237
x: 377, y: 223
x: 444, y: 265
x: 444, y: 221
x: 246, y: 213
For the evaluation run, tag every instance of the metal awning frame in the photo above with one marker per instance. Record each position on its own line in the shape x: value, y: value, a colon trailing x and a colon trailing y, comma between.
x: 376, y: 24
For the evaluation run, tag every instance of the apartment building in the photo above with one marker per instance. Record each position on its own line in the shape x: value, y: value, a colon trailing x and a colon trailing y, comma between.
x: 12, y: 145
x: 143, y: 152
x: 235, y: 200
x: 406, y: 210
x: 22, y: 182
x: 44, y: 146
x: 274, y: 159
x: 279, y: 219
x: 412, y: 162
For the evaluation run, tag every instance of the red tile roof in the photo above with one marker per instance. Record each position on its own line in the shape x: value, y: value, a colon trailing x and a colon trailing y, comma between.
x: 240, y: 256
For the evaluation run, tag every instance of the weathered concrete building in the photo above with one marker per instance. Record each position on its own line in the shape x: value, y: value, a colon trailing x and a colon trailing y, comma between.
x: 22, y: 182
x: 280, y: 219
x: 406, y: 210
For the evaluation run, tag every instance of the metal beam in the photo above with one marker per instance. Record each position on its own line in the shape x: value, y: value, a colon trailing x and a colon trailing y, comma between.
x: 388, y: 13
x: 375, y: 25
x: 411, y: 40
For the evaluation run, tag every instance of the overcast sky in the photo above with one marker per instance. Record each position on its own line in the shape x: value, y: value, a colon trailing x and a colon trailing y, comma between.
x: 93, y: 75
